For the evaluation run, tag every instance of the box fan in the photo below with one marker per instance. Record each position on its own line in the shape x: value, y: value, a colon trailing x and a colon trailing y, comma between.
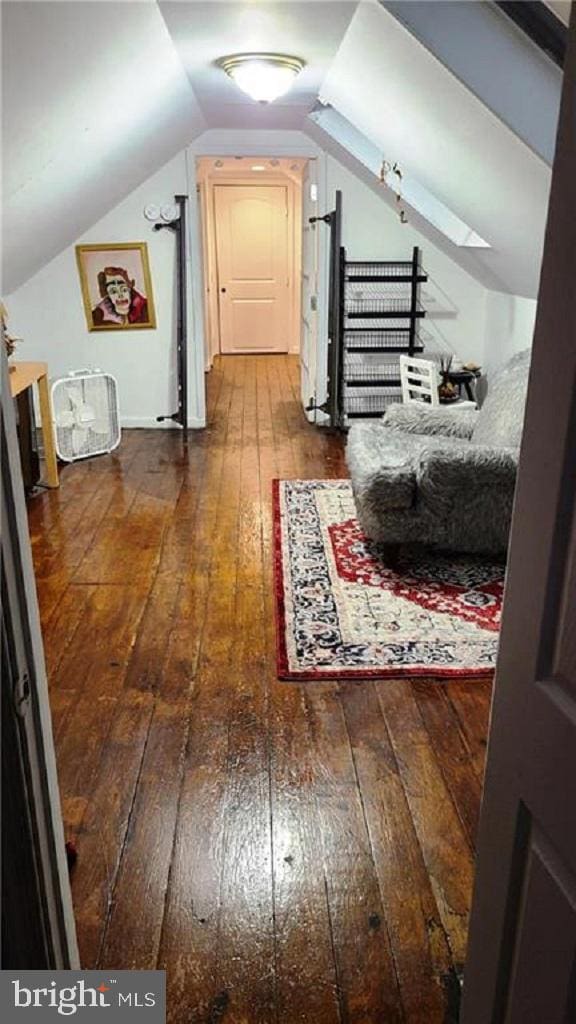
x: 86, y: 415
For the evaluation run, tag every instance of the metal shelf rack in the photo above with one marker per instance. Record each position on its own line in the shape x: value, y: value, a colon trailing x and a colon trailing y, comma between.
x: 380, y: 315
x: 374, y: 316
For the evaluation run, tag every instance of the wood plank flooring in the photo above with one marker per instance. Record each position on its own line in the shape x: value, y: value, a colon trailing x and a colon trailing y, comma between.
x: 289, y: 853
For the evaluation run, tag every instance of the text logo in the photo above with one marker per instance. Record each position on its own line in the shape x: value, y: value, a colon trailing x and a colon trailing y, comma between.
x: 125, y: 996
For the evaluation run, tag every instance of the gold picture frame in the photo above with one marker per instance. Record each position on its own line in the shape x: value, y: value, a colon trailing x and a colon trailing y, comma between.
x: 116, y: 286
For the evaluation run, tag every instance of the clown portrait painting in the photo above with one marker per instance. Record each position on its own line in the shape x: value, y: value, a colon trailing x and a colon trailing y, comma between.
x: 116, y: 286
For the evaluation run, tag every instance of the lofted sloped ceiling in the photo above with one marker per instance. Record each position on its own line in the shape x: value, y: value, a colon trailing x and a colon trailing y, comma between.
x: 561, y: 8
x: 204, y: 30
x: 519, y: 82
x: 417, y: 113
x: 95, y: 100
x: 98, y: 95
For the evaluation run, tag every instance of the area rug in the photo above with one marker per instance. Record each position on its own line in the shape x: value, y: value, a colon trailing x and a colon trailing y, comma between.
x: 343, y: 614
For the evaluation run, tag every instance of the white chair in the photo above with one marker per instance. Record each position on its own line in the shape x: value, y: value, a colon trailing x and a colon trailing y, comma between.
x: 420, y: 382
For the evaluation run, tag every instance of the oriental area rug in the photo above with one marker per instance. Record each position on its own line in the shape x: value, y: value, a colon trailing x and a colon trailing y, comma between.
x: 343, y: 614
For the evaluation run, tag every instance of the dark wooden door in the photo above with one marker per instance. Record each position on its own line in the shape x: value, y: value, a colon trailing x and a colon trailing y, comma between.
x: 522, y: 950
x: 37, y: 922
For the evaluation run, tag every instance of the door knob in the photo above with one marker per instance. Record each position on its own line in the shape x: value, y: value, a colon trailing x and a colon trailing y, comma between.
x: 222, y: 289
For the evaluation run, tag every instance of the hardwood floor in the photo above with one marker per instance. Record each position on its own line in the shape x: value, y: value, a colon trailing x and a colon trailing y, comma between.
x: 287, y: 852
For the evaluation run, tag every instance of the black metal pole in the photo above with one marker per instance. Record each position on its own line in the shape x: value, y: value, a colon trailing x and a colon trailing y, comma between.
x: 182, y: 324
x: 332, y: 405
x: 179, y: 228
x: 414, y: 299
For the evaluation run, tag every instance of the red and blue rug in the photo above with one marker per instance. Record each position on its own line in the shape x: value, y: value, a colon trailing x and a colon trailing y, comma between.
x: 343, y: 614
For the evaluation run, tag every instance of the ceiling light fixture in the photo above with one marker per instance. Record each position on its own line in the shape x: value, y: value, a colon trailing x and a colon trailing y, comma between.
x: 263, y: 76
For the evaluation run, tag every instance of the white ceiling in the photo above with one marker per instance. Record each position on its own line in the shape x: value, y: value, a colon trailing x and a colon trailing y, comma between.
x: 99, y: 95
x: 204, y: 31
x: 446, y: 139
x: 561, y: 8
x: 94, y: 101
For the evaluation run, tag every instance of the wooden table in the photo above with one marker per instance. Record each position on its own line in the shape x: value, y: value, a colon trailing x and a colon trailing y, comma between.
x: 22, y: 376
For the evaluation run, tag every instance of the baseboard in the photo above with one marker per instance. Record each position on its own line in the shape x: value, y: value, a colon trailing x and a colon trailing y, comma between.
x: 151, y: 423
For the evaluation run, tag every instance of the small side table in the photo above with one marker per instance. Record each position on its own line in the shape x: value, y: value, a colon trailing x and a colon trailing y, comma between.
x: 463, y: 379
x: 22, y: 376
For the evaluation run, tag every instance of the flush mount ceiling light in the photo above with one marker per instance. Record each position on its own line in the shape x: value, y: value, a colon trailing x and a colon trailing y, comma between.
x: 263, y: 76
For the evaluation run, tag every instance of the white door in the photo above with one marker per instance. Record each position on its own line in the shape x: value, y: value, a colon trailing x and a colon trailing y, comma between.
x: 522, y: 951
x: 253, y: 254
x: 310, y: 251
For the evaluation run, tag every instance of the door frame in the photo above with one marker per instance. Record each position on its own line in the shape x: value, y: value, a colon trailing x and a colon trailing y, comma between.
x: 208, y: 177
x: 44, y: 894
x: 270, y: 144
x: 520, y: 965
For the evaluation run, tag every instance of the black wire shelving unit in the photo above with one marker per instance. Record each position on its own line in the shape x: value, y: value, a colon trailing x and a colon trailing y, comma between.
x: 381, y: 311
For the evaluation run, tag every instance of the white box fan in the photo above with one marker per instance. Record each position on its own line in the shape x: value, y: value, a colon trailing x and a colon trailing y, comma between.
x: 86, y: 415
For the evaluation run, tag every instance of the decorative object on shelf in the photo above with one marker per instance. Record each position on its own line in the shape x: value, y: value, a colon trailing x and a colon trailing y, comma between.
x: 447, y: 391
x: 432, y: 614
x: 262, y: 76
x: 387, y: 169
x: 456, y: 376
x: 116, y: 286
x: 10, y: 341
x: 86, y: 414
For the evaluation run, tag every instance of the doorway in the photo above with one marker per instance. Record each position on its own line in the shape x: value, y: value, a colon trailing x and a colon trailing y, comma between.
x: 251, y: 212
x: 253, y: 260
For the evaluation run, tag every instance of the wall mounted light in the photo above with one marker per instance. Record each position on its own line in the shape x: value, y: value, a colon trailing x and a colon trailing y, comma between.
x: 263, y: 76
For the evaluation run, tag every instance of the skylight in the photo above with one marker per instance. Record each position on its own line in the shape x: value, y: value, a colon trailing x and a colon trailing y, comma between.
x: 413, y: 193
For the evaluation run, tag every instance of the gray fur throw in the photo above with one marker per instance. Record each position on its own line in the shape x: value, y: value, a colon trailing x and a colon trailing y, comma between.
x: 422, y: 419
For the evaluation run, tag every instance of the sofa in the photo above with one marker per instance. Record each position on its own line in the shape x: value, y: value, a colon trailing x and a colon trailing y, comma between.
x: 442, y: 477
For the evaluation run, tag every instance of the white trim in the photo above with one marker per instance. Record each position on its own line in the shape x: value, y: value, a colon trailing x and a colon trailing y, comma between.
x: 209, y: 182
x: 195, y: 287
x: 325, y: 204
x: 230, y: 142
x: 234, y: 142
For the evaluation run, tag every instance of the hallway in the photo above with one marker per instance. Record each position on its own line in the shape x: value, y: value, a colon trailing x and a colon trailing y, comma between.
x: 288, y: 853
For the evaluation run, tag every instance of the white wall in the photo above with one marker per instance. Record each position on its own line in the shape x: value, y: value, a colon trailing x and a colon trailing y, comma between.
x: 397, y: 94
x: 95, y: 99
x: 47, y: 311
x: 509, y: 327
x: 372, y: 230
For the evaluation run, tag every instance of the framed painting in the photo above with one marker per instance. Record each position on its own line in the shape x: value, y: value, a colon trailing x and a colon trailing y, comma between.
x: 116, y: 286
